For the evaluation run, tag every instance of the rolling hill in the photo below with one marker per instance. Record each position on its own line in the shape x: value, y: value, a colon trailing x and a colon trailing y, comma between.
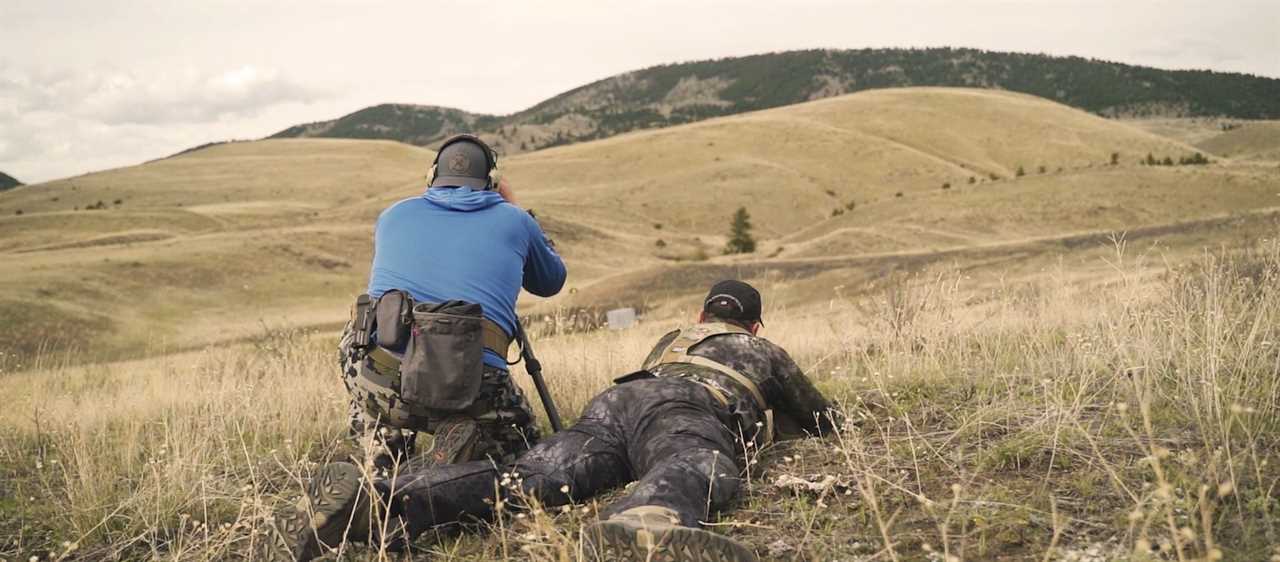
x: 214, y: 245
x: 685, y: 92
x: 1258, y: 141
x: 8, y: 182
x: 413, y: 124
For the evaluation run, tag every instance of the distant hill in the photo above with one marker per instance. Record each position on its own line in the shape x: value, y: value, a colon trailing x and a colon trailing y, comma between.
x: 8, y: 182
x: 251, y: 236
x: 685, y: 92
x: 413, y: 124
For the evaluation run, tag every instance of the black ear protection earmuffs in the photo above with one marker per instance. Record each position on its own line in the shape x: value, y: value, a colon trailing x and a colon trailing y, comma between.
x: 491, y: 158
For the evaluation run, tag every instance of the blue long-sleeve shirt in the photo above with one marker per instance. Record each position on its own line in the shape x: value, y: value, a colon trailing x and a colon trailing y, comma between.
x: 460, y: 243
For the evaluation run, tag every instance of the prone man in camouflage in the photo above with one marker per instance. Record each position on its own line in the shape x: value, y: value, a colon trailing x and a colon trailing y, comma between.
x: 462, y: 247
x: 678, y: 429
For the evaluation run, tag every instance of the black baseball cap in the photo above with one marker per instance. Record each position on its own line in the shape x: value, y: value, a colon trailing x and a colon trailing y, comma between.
x: 463, y: 161
x: 733, y: 300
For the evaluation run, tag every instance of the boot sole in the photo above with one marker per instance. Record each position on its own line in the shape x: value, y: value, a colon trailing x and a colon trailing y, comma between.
x: 628, y: 541
x: 326, y: 509
x: 453, y: 445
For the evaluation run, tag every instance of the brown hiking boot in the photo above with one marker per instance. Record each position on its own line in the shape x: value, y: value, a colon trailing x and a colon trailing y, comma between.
x: 334, y: 510
x: 653, y: 533
x: 454, y: 442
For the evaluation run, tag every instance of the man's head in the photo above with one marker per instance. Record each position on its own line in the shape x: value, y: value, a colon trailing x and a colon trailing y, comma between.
x: 465, y: 161
x: 735, y: 302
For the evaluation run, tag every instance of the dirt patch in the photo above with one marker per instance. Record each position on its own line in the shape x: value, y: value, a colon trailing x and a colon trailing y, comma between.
x: 108, y: 240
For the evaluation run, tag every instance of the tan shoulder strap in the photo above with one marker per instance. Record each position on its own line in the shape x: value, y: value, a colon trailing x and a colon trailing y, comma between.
x: 686, y: 338
x: 678, y: 352
x: 731, y: 373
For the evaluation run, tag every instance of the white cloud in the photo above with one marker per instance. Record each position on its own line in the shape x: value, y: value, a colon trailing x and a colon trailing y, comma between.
x: 138, y: 79
x: 55, y: 121
x: 189, y: 96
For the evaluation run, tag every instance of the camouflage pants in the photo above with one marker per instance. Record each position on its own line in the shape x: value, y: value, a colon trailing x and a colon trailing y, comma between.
x: 498, y: 426
x: 669, y: 436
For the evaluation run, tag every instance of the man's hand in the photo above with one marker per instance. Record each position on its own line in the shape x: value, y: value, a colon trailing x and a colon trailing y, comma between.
x: 504, y: 189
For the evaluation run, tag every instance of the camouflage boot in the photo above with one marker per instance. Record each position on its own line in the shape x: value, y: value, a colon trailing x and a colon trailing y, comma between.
x: 654, y: 533
x: 334, y: 510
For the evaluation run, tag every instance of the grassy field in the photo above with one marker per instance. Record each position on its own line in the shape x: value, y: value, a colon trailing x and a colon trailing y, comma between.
x: 1080, y: 362
x: 1042, y: 421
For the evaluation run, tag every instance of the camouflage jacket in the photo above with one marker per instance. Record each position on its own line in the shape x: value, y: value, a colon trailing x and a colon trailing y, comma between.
x: 785, y: 387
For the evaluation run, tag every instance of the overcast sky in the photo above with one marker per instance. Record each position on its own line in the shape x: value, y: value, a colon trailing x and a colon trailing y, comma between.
x: 93, y: 84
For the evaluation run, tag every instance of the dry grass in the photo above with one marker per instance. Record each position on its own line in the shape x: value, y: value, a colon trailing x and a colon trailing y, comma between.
x: 1046, y: 422
x: 1257, y: 141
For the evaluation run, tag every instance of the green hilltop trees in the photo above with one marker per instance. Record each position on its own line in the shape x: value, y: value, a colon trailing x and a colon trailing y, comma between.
x: 8, y: 182
x: 638, y: 99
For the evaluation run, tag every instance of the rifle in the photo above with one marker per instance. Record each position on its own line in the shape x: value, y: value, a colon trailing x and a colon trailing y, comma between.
x: 534, y: 368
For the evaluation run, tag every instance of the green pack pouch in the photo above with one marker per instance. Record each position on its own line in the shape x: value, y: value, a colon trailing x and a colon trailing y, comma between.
x: 444, y: 360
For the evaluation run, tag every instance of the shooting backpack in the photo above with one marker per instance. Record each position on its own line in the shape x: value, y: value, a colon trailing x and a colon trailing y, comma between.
x: 678, y: 352
x: 419, y: 360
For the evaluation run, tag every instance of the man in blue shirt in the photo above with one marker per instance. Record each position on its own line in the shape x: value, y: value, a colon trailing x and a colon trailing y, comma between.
x: 464, y: 239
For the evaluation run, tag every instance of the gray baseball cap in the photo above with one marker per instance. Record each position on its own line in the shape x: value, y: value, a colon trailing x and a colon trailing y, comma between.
x: 464, y: 161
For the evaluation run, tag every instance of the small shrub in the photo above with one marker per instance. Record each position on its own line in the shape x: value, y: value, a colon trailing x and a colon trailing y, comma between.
x: 657, y: 226
x: 898, y: 194
x: 837, y: 212
x: 994, y: 176
x: 1115, y: 158
x: 1195, y: 160
x: 850, y: 205
x: 1042, y: 169
x: 946, y: 185
x: 972, y: 180
x: 18, y: 212
x: 660, y: 243
x: 1021, y: 172
x: 830, y: 192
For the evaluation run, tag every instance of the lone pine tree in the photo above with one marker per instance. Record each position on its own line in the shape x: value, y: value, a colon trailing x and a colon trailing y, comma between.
x: 740, y: 240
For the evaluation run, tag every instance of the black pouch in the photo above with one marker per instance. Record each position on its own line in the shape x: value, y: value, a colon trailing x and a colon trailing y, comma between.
x: 393, y: 315
x: 444, y: 361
